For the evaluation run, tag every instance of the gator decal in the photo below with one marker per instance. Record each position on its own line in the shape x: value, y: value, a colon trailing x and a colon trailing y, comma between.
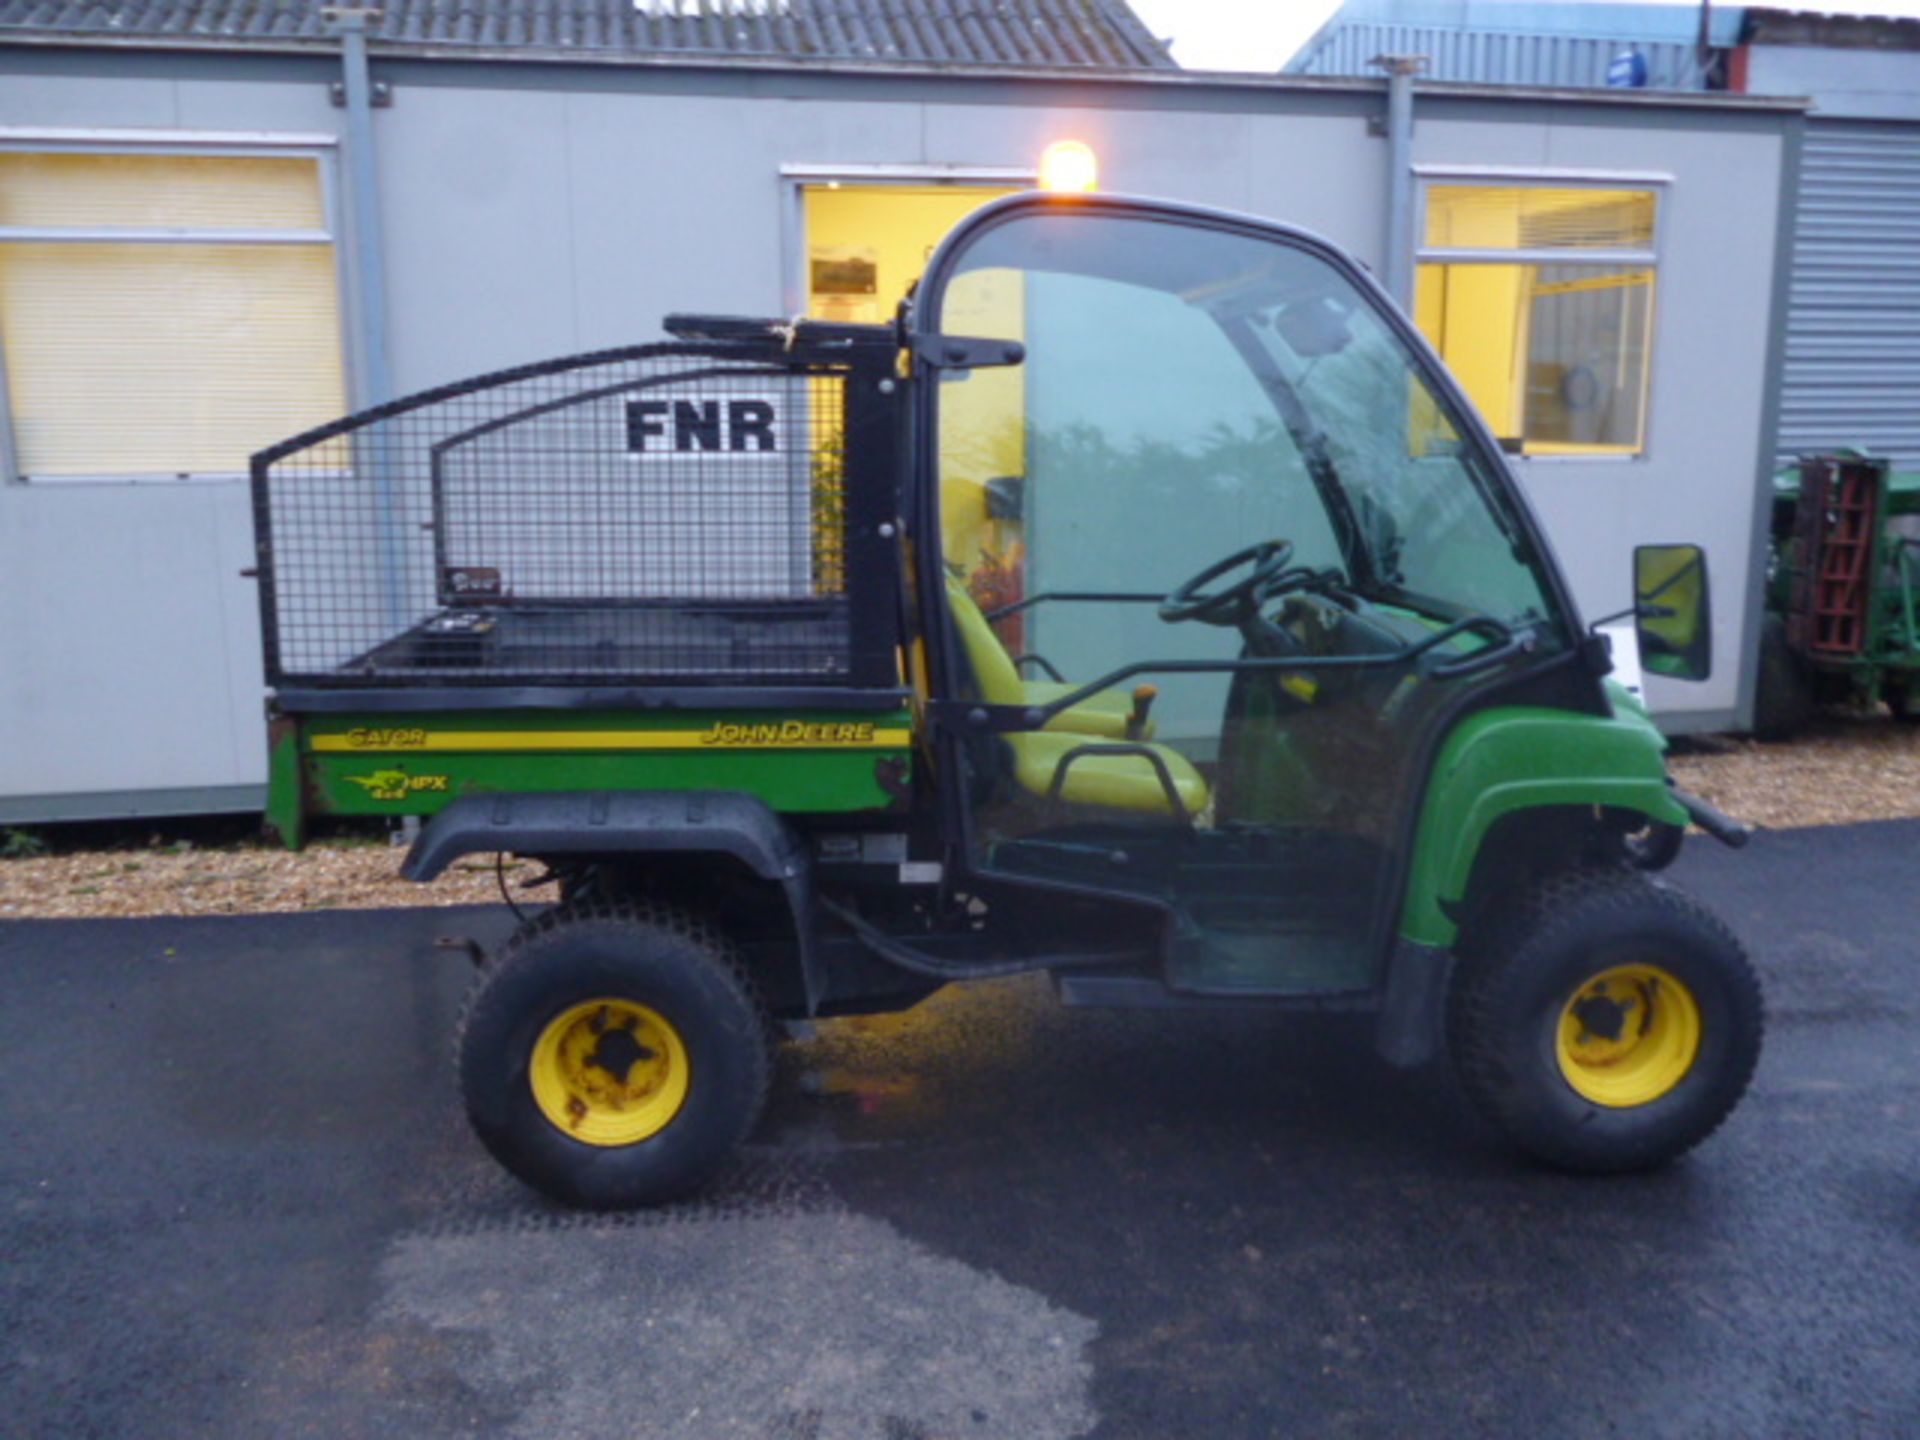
x: 409, y: 737
x: 396, y: 784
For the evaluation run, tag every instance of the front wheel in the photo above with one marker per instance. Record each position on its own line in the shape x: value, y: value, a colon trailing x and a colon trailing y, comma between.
x: 613, y: 1055
x: 1606, y: 1022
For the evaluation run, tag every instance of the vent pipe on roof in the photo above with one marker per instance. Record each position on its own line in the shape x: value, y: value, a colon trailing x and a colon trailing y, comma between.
x: 1398, y: 269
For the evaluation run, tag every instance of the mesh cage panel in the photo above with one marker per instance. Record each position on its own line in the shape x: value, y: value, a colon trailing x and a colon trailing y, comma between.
x: 666, y: 513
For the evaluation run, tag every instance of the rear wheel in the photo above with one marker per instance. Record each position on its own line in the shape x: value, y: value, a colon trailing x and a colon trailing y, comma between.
x: 613, y: 1054
x: 1606, y: 1022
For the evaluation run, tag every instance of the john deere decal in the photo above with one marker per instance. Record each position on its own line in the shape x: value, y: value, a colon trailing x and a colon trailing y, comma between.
x: 791, y: 732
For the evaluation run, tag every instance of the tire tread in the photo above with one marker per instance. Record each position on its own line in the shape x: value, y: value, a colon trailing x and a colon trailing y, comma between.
x: 1549, y: 913
x: 699, y: 933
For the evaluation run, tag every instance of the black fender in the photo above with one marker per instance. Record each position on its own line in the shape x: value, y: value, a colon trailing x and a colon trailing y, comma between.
x: 633, y: 822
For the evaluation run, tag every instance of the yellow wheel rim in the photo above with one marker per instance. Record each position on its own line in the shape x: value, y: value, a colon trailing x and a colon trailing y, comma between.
x: 609, y: 1072
x: 1628, y: 1036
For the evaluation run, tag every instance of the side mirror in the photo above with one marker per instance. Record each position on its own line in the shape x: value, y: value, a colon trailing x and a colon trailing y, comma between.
x: 1671, y: 617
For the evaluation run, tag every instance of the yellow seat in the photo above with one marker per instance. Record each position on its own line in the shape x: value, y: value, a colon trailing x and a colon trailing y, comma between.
x: 1104, y: 714
x: 1117, y: 782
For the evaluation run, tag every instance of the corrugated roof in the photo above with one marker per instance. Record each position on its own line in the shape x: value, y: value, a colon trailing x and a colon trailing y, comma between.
x: 1492, y: 58
x: 1518, y: 42
x: 1072, y: 34
x: 1584, y: 19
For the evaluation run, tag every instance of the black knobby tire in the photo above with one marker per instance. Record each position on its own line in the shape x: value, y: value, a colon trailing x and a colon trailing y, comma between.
x: 648, y: 954
x: 1783, y: 696
x: 1516, y: 977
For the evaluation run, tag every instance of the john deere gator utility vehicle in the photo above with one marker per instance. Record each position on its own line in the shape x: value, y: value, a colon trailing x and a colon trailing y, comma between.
x: 1145, y: 606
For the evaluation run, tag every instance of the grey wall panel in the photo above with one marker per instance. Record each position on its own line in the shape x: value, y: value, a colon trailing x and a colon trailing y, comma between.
x: 1492, y: 142
x: 677, y: 202
x: 131, y: 642
x: 273, y: 105
x: 1292, y: 167
x: 133, y: 804
x: 1852, y: 372
x: 61, y: 100
x: 478, y: 222
x: 1197, y: 156
x: 1697, y: 479
x: 154, y: 102
x: 1322, y: 172
x: 1844, y: 84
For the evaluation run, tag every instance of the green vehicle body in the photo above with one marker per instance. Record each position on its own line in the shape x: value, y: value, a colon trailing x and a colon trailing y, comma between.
x: 1511, y: 761
x: 1497, y: 764
x: 416, y: 764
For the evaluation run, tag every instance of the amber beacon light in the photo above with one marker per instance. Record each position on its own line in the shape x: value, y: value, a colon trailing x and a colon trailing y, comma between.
x: 1069, y: 166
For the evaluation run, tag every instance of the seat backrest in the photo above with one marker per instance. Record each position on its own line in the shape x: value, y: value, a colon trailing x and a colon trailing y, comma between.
x: 992, y: 667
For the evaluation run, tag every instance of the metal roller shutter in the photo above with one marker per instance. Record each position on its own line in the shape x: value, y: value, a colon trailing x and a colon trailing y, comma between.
x: 1852, y: 374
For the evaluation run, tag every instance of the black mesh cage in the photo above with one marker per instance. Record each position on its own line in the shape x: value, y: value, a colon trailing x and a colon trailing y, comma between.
x: 663, y: 514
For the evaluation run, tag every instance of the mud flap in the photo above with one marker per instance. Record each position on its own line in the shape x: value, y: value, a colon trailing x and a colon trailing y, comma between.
x: 1413, y: 1012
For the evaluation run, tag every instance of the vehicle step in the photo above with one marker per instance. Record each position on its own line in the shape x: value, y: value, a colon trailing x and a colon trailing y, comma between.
x: 1084, y: 989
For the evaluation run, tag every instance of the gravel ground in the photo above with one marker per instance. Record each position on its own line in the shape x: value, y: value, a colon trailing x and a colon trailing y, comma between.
x: 244, y: 879
x: 1845, y: 769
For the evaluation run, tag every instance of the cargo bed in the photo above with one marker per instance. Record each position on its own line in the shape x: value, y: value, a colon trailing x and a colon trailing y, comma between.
x: 640, y: 639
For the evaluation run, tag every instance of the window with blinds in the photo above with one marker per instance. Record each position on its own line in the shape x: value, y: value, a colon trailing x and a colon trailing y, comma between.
x: 1541, y: 217
x: 163, y: 315
x: 1540, y: 300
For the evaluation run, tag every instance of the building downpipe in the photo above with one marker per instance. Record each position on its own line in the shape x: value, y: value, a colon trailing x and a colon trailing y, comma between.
x: 1398, y: 270
x: 363, y: 202
x: 369, y: 280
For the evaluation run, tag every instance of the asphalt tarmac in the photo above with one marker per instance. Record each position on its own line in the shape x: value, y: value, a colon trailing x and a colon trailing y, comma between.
x: 237, y: 1199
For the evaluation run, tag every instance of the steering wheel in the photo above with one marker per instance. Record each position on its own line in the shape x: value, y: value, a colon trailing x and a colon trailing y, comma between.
x: 1238, y: 600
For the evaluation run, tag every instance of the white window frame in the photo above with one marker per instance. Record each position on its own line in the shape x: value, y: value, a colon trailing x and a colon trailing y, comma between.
x: 1541, y: 178
x: 33, y: 140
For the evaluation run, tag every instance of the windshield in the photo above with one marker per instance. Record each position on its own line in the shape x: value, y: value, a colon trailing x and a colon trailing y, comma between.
x: 1205, y: 372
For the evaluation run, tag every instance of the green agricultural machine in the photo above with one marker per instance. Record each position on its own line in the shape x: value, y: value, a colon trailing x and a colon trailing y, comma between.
x: 1843, y: 595
x: 1145, y: 606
